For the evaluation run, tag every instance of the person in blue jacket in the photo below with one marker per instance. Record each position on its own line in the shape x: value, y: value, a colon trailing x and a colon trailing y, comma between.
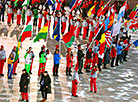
x: 119, y: 52
x: 56, y: 62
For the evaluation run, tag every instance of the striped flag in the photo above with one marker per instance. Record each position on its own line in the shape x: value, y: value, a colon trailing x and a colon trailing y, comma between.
x: 108, y: 38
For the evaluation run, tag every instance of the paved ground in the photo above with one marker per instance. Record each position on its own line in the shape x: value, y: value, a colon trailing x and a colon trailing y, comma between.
x: 118, y: 84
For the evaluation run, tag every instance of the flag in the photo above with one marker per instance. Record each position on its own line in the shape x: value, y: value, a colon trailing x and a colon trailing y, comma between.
x: 134, y: 26
x: 25, y: 3
x: 100, y: 35
x: 28, y: 31
x: 113, y: 8
x: 103, y: 9
x: 108, y: 38
x: 122, y: 11
x: 116, y: 29
x: 42, y: 33
x: 109, y: 21
x: 50, y: 2
x: 15, y: 3
x: 56, y: 33
x: 17, y: 50
x: 72, y: 3
x: 136, y: 43
x: 96, y: 28
x: 69, y: 37
x: 92, y: 9
x: 134, y: 12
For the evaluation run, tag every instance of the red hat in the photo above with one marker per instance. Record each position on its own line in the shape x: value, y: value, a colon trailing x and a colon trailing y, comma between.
x: 2, y: 46
x: 69, y: 49
x: 43, y: 46
x: 14, y: 47
x: 57, y: 46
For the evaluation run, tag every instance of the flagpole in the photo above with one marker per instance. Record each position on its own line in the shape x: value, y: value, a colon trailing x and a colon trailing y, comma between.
x: 60, y: 37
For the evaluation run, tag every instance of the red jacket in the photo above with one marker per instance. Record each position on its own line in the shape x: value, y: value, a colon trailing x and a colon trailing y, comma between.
x: 69, y: 59
x: 113, y: 52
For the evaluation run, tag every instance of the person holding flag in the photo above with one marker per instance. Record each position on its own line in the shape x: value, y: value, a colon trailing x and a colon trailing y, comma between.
x: 10, y: 66
x: 2, y: 59
x: 15, y: 61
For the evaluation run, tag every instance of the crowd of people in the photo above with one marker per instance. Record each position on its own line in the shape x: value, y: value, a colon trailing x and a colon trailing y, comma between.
x: 91, y: 60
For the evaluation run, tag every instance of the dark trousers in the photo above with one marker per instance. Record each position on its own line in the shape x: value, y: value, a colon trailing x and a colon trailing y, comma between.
x: 80, y: 66
x: 35, y: 21
x: 112, y: 61
x: 2, y: 15
x: 99, y: 63
x: 44, y: 94
x: 125, y: 54
x: 68, y: 71
x: 55, y: 70
x: 117, y: 59
x: 13, y: 18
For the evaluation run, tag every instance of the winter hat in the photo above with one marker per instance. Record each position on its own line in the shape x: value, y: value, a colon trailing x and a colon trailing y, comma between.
x: 24, y: 70
x: 43, y: 46
x: 57, y: 46
x: 69, y: 49
x: 2, y: 46
x: 14, y: 47
x: 79, y: 46
x: 45, y: 72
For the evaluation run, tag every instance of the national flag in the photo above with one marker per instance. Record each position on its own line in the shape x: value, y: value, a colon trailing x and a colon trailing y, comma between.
x: 72, y: 3
x: 17, y: 50
x: 136, y: 43
x: 50, y: 2
x: 109, y: 12
x: 42, y: 33
x: 108, y: 38
x: 28, y: 31
x: 92, y: 9
x: 116, y: 29
x: 122, y: 11
x: 25, y: 3
x: 103, y: 9
x: 113, y: 8
x: 100, y: 35
x: 134, y: 12
x: 109, y: 21
x: 96, y: 28
x: 56, y: 33
x: 15, y: 3
x: 69, y: 37
x: 134, y: 26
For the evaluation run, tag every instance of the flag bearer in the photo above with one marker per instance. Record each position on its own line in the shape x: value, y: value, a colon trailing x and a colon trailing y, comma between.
x: 2, y: 59
x: 113, y: 54
x: 10, y: 66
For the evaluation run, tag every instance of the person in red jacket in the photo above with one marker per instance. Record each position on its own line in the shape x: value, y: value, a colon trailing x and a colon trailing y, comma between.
x: 75, y: 81
x: 64, y: 19
x: 19, y: 13
x: 2, y: 59
x: 69, y: 60
x: 91, y: 31
x: 113, y: 55
x: 93, y: 79
x: 85, y: 28
x: 126, y: 45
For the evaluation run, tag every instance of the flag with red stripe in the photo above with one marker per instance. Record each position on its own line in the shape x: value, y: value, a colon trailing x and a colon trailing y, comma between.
x: 108, y: 38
